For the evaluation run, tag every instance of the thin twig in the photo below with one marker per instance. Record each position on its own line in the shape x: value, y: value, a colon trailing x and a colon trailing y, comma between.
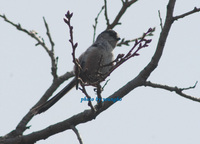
x: 106, y: 13
x: 88, y: 97
x: 54, y: 61
x: 40, y: 41
x: 191, y: 87
x: 96, y: 22
x: 21, y: 127
x: 77, y: 133
x: 105, y: 84
x: 33, y: 34
x: 67, y: 20
x: 99, y: 102
x: 187, y: 13
x: 161, y: 24
x: 127, y: 42
x: 49, y: 35
x: 125, y: 5
x: 175, y: 89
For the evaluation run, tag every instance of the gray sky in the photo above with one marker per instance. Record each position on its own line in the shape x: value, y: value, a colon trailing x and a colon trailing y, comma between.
x: 145, y: 115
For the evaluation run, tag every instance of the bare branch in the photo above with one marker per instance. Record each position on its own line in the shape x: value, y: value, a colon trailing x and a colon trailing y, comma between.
x: 82, y: 117
x: 125, y: 5
x: 127, y: 42
x: 54, y: 60
x: 191, y: 87
x: 187, y: 13
x: 67, y: 20
x: 162, y: 39
x: 175, y: 89
x: 87, y: 115
x: 99, y: 102
x: 161, y: 24
x: 56, y: 83
x: 22, y: 126
x: 33, y: 34
x: 145, y: 73
x: 49, y: 35
x: 96, y: 22
x: 40, y: 41
x: 88, y: 97
x: 106, y: 13
x: 105, y: 84
x: 77, y: 133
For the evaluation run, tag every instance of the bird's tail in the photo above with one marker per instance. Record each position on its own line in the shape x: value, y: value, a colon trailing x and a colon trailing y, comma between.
x: 53, y: 100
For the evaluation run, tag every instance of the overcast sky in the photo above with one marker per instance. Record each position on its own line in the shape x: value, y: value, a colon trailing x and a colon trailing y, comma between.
x: 145, y: 115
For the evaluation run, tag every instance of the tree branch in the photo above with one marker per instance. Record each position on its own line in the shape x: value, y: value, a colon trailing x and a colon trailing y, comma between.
x: 40, y: 41
x: 22, y: 126
x: 187, y: 13
x: 127, y: 42
x: 88, y: 97
x: 145, y: 73
x: 96, y: 22
x: 49, y: 35
x: 106, y: 13
x: 82, y: 117
x: 54, y: 60
x: 125, y: 5
x: 161, y: 24
x: 77, y: 134
x: 175, y: 89
x: 67, y: 20
x: 33, y: 34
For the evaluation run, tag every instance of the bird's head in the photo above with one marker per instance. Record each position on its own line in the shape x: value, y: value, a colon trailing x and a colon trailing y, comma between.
x: 110, y: 36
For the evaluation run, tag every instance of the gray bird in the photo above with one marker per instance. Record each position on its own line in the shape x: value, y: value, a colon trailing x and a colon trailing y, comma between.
x: 99, y: 53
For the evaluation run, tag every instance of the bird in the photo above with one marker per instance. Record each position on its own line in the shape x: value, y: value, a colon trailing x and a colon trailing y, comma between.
x: 99, y: 53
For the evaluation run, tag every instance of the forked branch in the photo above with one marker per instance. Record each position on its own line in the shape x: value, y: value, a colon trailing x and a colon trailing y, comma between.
x: 175, y: 89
